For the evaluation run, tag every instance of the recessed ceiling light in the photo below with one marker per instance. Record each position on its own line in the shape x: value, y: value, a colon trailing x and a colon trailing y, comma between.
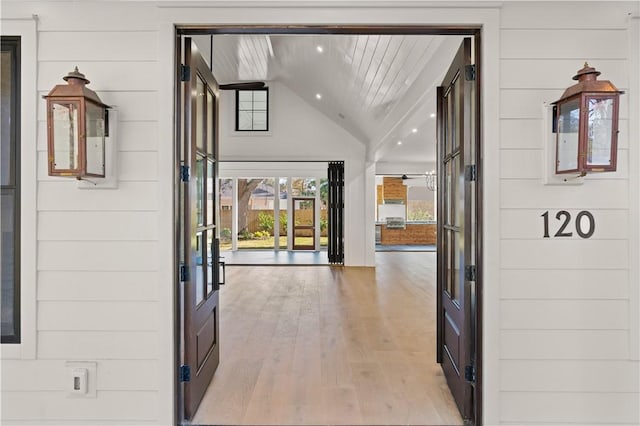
x: 318, y: 96
x: 399, y: 142
x: 433, y: 115
x: 320, y: 49
x: 414, y: 130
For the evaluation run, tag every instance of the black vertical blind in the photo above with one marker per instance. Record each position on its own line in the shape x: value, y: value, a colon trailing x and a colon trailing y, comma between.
x: 336, y: 212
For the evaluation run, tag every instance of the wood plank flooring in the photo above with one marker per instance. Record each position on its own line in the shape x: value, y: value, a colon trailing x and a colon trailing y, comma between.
x: 332, y: 346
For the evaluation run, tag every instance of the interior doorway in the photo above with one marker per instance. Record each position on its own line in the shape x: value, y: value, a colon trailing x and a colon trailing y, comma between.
x: 469, y: 279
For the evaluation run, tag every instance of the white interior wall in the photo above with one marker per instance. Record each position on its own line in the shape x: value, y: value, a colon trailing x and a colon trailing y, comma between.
x: 299, y: 132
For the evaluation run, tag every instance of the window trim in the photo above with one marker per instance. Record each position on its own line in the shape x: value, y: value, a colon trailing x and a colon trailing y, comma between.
x: 12, y: 44
x: 237, y: 110
x: 26, y: 29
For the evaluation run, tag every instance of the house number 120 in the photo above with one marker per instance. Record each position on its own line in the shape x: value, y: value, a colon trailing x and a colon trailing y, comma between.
x: 565, y: 217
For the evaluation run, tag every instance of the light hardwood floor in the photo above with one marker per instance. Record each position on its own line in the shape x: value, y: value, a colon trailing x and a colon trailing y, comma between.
x: 320, y: 345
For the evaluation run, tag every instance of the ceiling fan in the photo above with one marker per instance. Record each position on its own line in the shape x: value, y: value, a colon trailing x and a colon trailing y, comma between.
x: 247, y: 85
x: 430, y: 178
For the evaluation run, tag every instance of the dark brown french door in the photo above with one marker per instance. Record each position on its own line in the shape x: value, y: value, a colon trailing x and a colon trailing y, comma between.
x: 456, y: 269
x: 304, y: 223
x: 199, y: 170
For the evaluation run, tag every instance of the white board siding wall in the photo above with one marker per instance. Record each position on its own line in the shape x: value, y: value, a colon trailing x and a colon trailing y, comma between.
x: 97, y: 250
x: 565, y: 311
x: 557, y: 386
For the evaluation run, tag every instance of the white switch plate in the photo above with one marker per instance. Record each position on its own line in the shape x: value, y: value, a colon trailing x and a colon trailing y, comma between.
x: 82, y: 375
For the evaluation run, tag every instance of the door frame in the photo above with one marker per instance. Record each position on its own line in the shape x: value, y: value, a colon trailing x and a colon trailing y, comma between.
x: 473, y: 30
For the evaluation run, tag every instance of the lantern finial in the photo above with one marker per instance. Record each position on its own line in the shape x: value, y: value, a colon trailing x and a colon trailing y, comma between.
x: 586, y: 73
x: 76, y: 77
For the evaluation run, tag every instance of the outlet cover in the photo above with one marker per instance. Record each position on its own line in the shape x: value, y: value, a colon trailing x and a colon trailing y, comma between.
x: 92, y: 377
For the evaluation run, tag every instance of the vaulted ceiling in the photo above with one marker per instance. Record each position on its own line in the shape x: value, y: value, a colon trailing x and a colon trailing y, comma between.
x: 380, y: 88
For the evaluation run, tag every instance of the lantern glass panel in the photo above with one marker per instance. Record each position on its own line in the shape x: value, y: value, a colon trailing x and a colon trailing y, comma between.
x: 95, y: 139
x: 568, y: 131
x: 599, y: 131
x: 65, y: 135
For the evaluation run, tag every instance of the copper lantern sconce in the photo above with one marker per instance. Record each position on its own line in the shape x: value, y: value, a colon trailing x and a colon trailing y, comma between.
x: 77, y: 126
x: 586, y: 125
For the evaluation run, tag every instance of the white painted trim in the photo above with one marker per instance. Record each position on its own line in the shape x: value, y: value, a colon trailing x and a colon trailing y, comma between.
x: 370, y: 214
x: 316, y: 216
x: 289, y: 214
x: 27, y: 30
x: 167, y: 269
x: 634, y: 188
x: 276, y: 214
x: 491, y: 214
x: 336, y: 4
x: 234, y: 214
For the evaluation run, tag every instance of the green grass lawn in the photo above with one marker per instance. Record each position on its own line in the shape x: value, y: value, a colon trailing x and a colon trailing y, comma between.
x: 268, y: 243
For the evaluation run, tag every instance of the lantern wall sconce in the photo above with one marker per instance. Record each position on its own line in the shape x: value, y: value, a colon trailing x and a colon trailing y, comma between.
x: 79, y: 133
x: 585, y: 123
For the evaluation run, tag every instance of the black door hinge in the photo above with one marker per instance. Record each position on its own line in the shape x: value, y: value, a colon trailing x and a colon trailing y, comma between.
x: 184, y: 273
x: 470, y: 272
x: 184, y: 173
x: 470, y: 72
x: 184, y: 375
x: 185, y: 73
x: 471, y: 173
x: 470, y: 373
x: 106, y: 123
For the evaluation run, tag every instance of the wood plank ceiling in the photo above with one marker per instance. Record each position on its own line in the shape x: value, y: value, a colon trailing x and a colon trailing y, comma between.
x: 361, y: 82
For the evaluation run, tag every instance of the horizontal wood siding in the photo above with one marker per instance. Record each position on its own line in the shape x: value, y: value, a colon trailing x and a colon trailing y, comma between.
x: 121, y: 407
x: 564, y: 310
x: 97, y: 285
x: 97, y: 256
x: 52, y: 375
x: 569, y: 376
x: 582, y: 408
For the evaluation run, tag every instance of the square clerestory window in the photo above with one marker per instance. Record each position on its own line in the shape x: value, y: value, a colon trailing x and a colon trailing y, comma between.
x: 252, y: 110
